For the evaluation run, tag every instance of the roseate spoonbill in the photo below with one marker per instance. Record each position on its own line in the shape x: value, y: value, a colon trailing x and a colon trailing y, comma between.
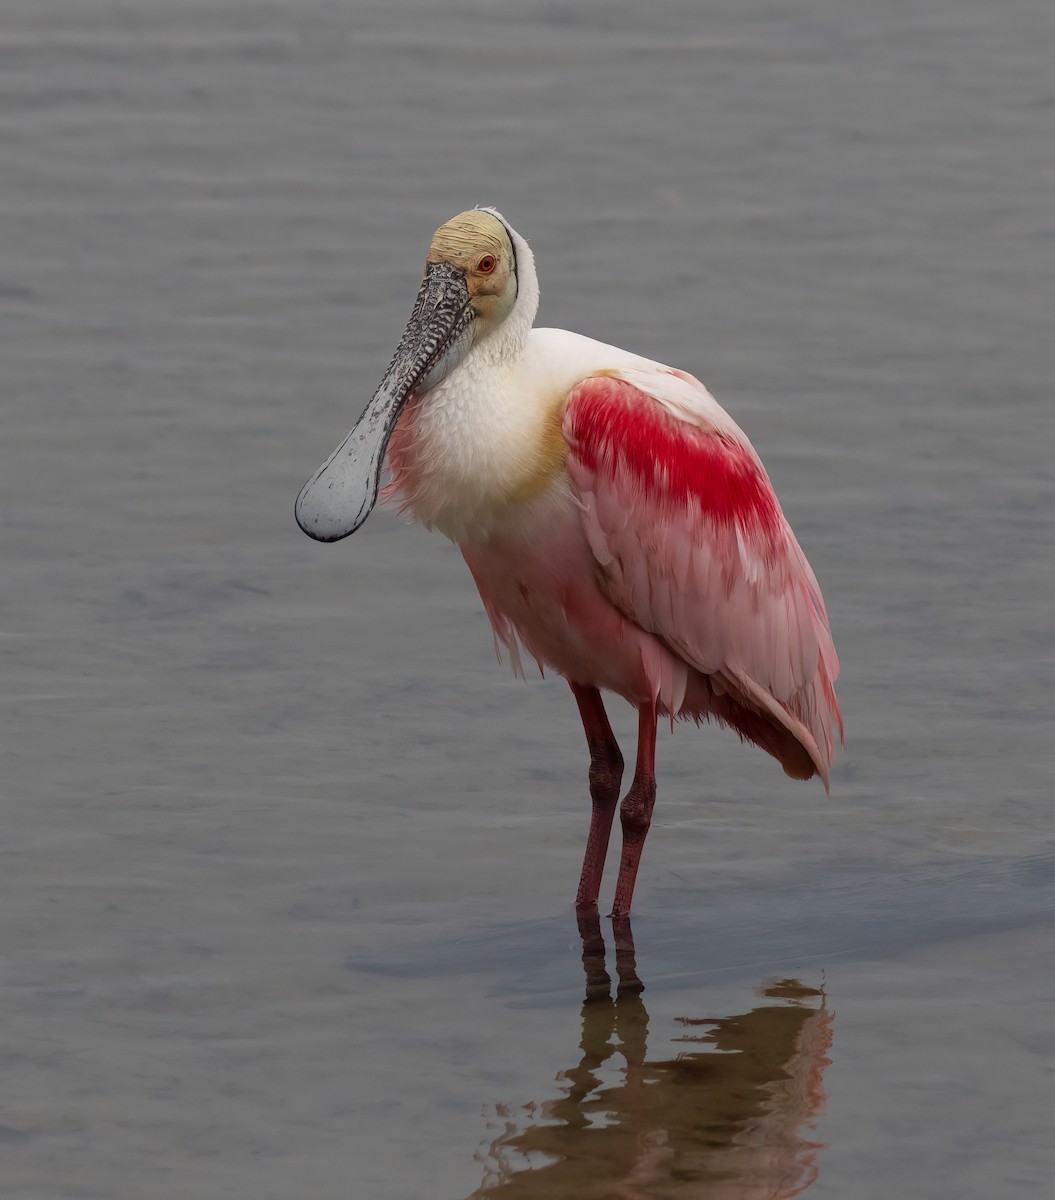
x: 618, y: 524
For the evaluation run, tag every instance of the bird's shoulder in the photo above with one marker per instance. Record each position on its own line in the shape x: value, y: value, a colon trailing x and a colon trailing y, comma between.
x: 649, y: 426
x: 577, y: 368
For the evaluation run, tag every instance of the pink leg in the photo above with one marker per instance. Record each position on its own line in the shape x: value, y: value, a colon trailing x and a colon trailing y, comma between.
x: 635, y: 813
x: 606, y: 774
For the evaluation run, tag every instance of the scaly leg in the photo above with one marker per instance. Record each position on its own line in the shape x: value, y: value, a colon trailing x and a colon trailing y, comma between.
x: 606, y: 774
x: 635, y: 813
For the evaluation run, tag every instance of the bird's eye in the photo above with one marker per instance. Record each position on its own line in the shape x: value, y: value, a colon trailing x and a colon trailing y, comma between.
x: 487, y: 264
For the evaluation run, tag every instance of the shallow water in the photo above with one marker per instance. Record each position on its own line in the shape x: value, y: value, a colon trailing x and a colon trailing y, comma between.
x: 288, y: 862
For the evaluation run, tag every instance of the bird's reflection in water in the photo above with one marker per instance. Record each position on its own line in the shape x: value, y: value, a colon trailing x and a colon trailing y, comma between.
x: 727, y: 1116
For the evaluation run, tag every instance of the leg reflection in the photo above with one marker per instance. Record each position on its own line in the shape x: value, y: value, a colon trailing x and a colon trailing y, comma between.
x: 730, y: 1110
x: 598, y: 981
x: 626, y: 958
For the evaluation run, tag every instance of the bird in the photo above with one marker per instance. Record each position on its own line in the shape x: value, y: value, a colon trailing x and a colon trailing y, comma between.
x: 619, y: 526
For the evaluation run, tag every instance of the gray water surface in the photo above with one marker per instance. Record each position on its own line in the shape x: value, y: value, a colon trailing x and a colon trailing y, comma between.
x: 287, y: 866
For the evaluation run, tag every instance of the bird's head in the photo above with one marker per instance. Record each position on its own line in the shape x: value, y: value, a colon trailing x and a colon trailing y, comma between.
x: 476, y: 249
x: 478, y: 289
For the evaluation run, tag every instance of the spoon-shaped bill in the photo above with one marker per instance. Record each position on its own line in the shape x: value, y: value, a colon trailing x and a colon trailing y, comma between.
x: 341, y: 494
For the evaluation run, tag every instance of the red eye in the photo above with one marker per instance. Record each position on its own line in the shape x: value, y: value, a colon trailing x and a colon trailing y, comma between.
x: 487, y: 264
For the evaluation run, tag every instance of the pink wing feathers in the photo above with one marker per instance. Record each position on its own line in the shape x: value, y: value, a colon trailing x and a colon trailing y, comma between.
x: 693, y: 547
